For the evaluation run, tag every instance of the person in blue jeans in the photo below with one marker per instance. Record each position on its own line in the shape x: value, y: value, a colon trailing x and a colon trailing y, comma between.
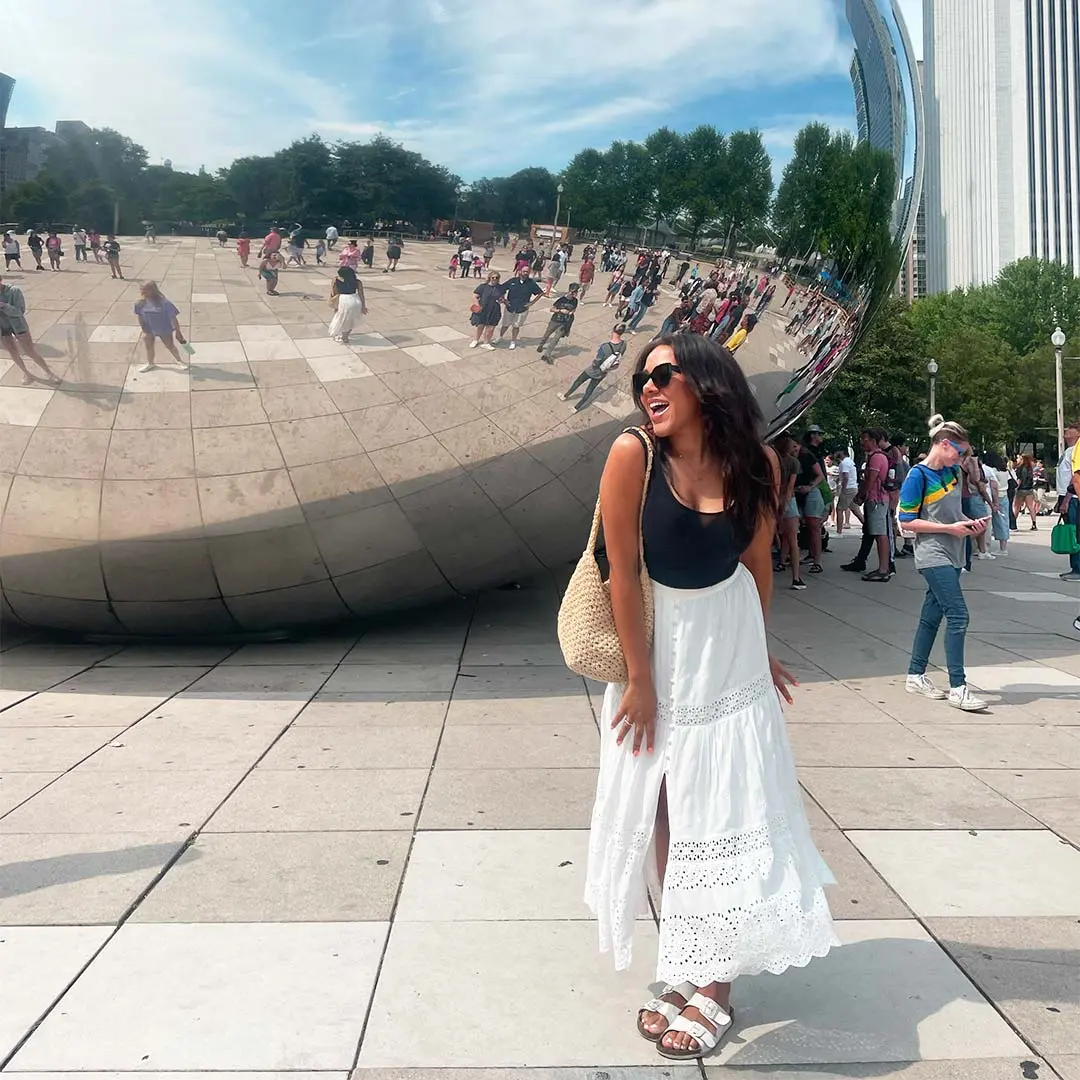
x: 1068, y: 489
x: 931, y: 510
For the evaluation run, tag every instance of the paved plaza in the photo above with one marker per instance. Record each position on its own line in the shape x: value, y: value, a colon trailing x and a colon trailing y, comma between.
x: 367, y: 850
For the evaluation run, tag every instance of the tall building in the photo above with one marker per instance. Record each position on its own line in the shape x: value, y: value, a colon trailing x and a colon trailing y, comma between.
x: 22, y: 154
x: 66, y: 129
x: 1003, y: 136
x: 23, y: 149
x: 7, y: 87
x: 880, y: 112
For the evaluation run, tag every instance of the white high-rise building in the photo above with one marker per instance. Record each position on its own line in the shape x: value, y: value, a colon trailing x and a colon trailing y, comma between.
x: 1002, y: 101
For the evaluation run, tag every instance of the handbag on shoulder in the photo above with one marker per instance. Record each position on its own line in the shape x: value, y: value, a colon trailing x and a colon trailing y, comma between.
x: 587, y: 634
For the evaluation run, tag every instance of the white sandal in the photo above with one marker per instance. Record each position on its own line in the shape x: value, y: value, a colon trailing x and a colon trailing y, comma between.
x: 667, y: 1009
x: 707, y: 1040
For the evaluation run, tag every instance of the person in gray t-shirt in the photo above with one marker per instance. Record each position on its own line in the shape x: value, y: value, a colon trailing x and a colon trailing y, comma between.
x: 602, y: 364
x: 931, y: 510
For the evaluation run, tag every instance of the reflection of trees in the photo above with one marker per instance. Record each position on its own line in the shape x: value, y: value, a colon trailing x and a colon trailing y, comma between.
x: 702, y: 179
x: 836, y: 198
x: 310, y: 180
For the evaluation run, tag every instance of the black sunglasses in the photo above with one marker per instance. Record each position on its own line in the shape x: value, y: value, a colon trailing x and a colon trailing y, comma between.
x: 660, y: 376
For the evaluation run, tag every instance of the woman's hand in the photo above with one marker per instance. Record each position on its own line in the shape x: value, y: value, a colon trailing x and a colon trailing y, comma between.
x: 781, y: 677
x: 637, y: 713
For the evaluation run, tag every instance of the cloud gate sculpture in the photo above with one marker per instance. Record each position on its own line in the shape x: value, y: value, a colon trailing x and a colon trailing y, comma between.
x: 285, y: 480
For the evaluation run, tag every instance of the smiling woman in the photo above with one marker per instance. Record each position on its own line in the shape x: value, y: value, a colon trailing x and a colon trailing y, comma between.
x: 286, y: 479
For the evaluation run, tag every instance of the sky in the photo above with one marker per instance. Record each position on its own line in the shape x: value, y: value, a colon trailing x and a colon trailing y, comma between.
x: 482, y: 88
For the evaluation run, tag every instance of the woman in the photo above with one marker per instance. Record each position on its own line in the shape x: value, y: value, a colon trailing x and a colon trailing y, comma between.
x: 95, y: 245
x: 648, y: 298
x: 552, y: 272
x: 243, y: 248
x: 931, y: 509
x: 997, y: 479
x: 1025, y: 490
x: 694, y: 753
x: 36, y: 245
x: 614, y: 285
x: 487, y: 311
x: 55, y: 250
x: 15, y: 336
x: 268, y: 271
x: 350, y: 254
x: 746, y: 328
x: 787, y: 526
x: 11, y: 251
x: 158, y: 318
x: 347, y: 295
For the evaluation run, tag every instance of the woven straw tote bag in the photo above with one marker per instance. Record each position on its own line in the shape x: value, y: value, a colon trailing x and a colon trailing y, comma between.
x: 587, y: 635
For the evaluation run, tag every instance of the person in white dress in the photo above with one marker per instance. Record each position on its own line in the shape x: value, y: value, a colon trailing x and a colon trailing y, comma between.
x: 347, y: 293
x: 697, y: 791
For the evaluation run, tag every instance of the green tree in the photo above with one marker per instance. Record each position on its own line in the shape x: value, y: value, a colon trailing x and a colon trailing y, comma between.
x: 800, y: 209
x: 883, y: 383
x: 704, y: 178
x: 91, y: 206
x: 668, y: 163
x: 37, y: 202
x: 747, y: 183
x: 589, y: 190
x: 1032, y: 296
x: 253, y: 184
x: 529, y: 197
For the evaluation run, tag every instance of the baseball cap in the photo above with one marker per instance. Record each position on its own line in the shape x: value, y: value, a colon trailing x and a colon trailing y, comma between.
x: 813, y: 429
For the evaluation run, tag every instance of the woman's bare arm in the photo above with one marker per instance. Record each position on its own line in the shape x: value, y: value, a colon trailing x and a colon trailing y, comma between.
x: 620, y: 506
x: 757, y: 558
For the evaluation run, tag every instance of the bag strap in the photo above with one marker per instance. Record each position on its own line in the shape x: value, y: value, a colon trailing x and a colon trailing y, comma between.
x: 594, y: 532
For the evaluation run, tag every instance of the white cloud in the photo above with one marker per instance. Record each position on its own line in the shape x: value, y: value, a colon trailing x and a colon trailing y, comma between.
x: 202, y: 82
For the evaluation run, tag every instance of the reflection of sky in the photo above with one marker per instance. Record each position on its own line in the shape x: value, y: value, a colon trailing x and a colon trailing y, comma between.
x: 484, y: 88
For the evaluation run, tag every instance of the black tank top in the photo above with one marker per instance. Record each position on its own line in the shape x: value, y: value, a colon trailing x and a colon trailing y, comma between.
x: 684, y: 548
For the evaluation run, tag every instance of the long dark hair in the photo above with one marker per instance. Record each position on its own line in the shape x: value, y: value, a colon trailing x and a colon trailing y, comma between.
x: 733, y: 424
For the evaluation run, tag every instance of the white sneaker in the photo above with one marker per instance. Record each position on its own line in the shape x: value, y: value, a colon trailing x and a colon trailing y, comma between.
x: 148, y: 367
x: 960, y: 697
x: 488, y: 345
x: 920, y: 684
x: 473, y: 344
x: 1001, y: 554
x: 984, y: 555
x: 1076, y: 623
x: 513, y: 344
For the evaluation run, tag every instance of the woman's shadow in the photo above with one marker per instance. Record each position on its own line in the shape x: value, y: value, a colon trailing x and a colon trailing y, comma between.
x: 875, y: 1005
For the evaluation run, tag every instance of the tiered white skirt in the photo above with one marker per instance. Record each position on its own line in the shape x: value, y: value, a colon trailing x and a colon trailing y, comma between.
x: 744, y: 888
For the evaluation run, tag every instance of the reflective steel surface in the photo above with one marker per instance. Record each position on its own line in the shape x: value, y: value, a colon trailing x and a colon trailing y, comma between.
x: 286, y: 480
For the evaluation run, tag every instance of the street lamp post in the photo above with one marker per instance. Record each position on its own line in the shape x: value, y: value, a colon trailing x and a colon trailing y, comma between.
x: 558, y: 206
x: 932, y: 368
x: 1057, y: 339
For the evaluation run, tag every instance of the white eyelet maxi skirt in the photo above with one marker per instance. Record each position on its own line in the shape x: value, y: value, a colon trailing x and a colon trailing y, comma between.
x: 743, y: 892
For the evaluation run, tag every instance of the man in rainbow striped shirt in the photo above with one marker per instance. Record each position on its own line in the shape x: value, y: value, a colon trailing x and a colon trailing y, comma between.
x: 1068, y: 490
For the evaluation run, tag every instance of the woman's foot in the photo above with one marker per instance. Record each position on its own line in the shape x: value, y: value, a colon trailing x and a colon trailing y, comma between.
x: 148, y: 367
x: 653, y: 1023
x: 700, y: 1026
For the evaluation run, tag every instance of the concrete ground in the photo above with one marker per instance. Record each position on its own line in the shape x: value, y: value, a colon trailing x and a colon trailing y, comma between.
x: 365, y: 851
